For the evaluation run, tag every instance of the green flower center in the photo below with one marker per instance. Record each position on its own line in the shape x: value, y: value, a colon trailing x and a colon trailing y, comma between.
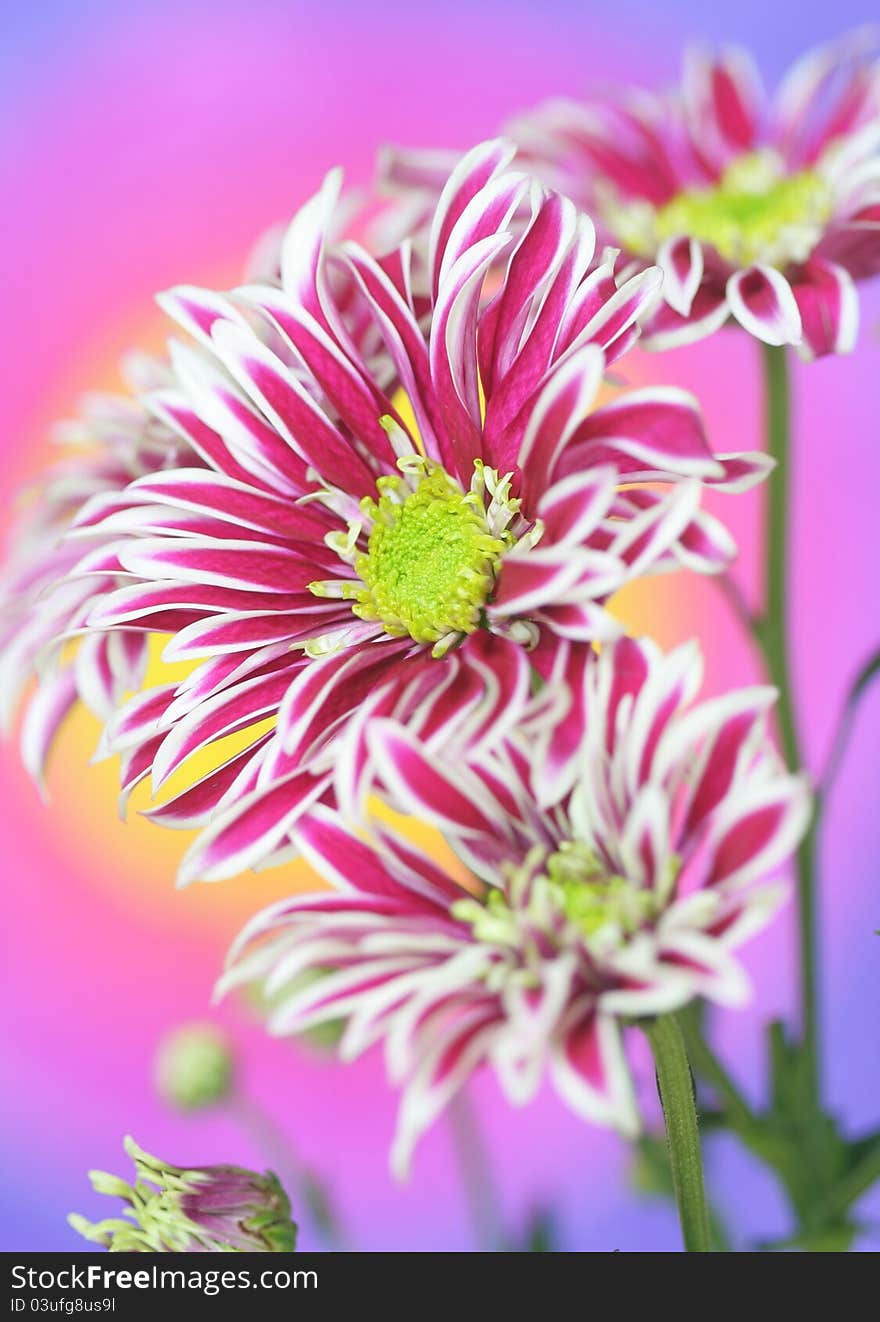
x: 754, y: 212
x: 590, y: 898
x: 431, y: 560
x: 572, y: 883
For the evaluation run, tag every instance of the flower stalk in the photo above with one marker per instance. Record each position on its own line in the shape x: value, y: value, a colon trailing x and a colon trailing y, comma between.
x: 477, y: 1176
x: 771, y: 636
x: 675, y: 1084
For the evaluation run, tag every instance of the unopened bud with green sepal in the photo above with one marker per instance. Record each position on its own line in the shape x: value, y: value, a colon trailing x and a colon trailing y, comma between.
x: 205, y: 1209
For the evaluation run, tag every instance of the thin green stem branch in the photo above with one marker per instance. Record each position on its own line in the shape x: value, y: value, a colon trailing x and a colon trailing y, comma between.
x: 477, y: 1176
x: 306, y: 1187
x: 771, y: 634
x: 676, y: 1087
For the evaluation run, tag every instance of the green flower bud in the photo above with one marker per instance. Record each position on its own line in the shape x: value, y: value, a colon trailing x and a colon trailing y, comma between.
x: 208, y: 1209
x: 194, y: 1067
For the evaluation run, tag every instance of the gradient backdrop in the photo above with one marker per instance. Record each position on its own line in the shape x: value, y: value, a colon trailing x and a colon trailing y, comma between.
x: 147, y: 144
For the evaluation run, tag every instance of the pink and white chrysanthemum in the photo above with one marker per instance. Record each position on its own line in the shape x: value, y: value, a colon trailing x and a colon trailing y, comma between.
x: 621, y: 845
x: 51, y: 584
x: 764, y: 209
x: 403, y: 533
x: 767, y: 210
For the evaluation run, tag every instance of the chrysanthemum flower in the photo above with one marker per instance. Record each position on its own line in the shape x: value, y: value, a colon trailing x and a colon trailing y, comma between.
x: 400, y: 530
x: 768, y: 210
x: 620, y: 844
x: 764, y: 209
x: 204, y: 1209
x: 51, y: 583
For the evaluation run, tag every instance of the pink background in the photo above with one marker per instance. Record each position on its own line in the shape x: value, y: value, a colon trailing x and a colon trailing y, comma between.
x: 151, y: 146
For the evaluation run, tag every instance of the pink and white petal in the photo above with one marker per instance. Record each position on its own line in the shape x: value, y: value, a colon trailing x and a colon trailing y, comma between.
x: 710, y: 968
x: 303, y: 243
x: 54, y: 698
x: 290, y: 408
x: 487, y: 215
x: 458, y: 802
x: 94, y: 678
x: 705, y: 546
x: 560, y: 410
x: 532, y: 1014
x: 745, y: 913
x: 328, y: 692
x: 232, y: 563
x: 240, y: 707
x: 140, y: 719
x: 618, y: 321
x: 546, y: 267
x: 805, y: 116
x: 416, y: 169
x: 646, y: 539
x: 671, y: 683
x: 504, y: 672
x: 194, y: 806
x: 723, y: 99
x: 648, y: 434
x: 556, y: 724
x: 763, y: 303
x: 252, y: 829
x: 759, y: 830
x: 244, y: 631
x: 472, y: 173
x: 589, y: 1070
x: 829, y: 307
x: 743, y: 471
x: 453, y: 353
x: 196, y: 310
x: 854, y: 243
x: 668, y: 329
x: 337, y: 370
x: 724, y: 730
x: 573, y: 506
x: 681, y: 261
x: 583, y: 621
x: 228, y: 431
x: 456, y: 1050
x: 645, y: 843
x: 404, y: 340
x: 227, y: 499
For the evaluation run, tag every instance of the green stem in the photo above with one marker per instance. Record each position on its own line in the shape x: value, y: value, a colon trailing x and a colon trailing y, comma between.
x: 476, y: 1174
x: 676, y: 1087
x: 771, y: 635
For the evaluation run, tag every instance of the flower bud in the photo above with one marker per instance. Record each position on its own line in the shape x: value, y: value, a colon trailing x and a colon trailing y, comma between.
x: 207, y: 1209
x: 194, y: 1067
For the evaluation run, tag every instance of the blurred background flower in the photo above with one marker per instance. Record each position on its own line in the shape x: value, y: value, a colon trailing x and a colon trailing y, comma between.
x: 151, y: 145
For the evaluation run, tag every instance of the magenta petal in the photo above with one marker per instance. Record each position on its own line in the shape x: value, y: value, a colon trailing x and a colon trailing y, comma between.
x: 762, y: 301
x: 417, y: 784
x: 251, y: 830
x: 473, y: 172
x: 681, y: 261
x: 829, y: 307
